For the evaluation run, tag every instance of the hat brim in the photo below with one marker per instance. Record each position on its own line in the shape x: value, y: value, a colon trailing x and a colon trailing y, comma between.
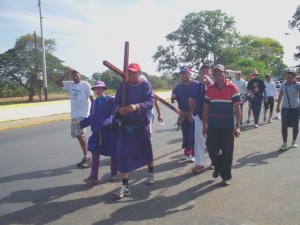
x: 218, y: 69
x: 133, y: 69
x: 94, y: 87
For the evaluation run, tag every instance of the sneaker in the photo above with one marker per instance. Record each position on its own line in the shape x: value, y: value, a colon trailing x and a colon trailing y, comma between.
x: 91, y: 180
x: 198, y: 169
x: 211, y: 167
x: 294, y: 145
x: 86, y: 161
x: 150, y: 178
x: 216, y: 174
x: 191, y: 159
x: 283, y: 147
x: 248, y: 121
x: 226, y: 182
x: 269, y: 121
x: 265, y: 118
x: 256, y: 126
x: 113, y: 177
x: 188, y: 158
x: 123, y: 191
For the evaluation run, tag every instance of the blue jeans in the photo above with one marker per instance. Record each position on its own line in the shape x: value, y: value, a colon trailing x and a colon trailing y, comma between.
x: 256, y: 103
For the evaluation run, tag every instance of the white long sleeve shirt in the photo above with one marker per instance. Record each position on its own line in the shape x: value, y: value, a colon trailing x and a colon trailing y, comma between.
x: 271, y: 89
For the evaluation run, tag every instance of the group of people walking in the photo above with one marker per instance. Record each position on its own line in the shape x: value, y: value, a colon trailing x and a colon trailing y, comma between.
x: 210, y: 117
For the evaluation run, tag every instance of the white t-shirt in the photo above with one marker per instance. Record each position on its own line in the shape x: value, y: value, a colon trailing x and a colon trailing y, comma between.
x: 79, y: 97
x: 271, y: 89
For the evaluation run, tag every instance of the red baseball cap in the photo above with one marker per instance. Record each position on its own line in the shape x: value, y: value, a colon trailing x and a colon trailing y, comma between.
x: 134, y: 67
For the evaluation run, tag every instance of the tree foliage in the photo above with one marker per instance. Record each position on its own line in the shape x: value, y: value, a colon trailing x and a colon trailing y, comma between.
x: 18, y: 65
x: 198, y: 40
x: 295, y: 24
x: 210, y: 37
x: 263, y: 54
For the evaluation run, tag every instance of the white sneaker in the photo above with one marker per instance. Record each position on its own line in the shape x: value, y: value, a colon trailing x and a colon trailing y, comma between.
x: 150, y: 178
x: 283, y: 147
x: 192, y: 159
x: 256, y: 126
x: 123, y: 191
x: 294, y: 145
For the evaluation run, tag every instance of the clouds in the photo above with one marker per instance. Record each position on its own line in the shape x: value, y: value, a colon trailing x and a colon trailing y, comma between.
x: 88, y: 32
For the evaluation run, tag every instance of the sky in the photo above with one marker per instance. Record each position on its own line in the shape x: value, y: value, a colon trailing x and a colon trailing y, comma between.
x: 90, y: 31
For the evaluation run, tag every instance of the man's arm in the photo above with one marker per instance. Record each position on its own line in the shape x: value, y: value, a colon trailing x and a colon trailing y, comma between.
x: 237, y: 112
x: 279, y: 101
x: 192, y: 103
x: 59, y: 81
x: 265, y: 92
x: 245, y: 88
x: 159, y: 117
x: 91, y: 98
x: 275, y: 91
x: 205, y: 118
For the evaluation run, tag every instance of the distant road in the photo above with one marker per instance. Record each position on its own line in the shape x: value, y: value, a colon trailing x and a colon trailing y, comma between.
x: 33, y: 110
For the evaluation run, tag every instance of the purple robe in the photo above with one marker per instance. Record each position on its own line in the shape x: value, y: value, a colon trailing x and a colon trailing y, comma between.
x: 134, y: 148
x: 183, y: 93
x: 103, y: 125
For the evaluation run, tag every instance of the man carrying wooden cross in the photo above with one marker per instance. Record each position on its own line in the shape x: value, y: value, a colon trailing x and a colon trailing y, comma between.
x: 134, y: 148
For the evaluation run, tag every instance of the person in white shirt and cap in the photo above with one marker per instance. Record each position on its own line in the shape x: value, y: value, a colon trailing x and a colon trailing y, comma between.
x: 242, y: 87
x: 271, y: 95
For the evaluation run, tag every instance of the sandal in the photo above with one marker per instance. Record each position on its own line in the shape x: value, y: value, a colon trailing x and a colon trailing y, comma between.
x: 198, y: 169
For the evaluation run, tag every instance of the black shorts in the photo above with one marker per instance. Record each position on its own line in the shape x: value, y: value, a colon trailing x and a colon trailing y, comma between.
x: 290, y: 117
x: 269, y: 104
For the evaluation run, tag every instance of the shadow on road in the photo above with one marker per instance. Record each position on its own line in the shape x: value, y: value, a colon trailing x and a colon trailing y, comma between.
x: 48, y: 206
x: 256, y: 159
x: 160, y: 206
x: 38, y: 174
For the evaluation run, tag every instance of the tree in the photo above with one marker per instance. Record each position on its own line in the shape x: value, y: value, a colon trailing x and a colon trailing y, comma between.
x: 111, y: 79
x: 295, y: 24
x: 266, y: 50
x: 18, y: 65
x: 199, y: 39
x: 95, y: 77
x: 157, y: 82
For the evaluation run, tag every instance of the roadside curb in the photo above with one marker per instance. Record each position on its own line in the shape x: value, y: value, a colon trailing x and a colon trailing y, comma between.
x: 5, y: 126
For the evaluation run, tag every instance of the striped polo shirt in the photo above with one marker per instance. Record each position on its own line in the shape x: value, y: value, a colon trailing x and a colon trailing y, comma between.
x: 220, y: 102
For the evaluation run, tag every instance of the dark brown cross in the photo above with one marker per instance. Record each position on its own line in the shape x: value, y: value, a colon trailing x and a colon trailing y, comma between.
x: 123, y: 74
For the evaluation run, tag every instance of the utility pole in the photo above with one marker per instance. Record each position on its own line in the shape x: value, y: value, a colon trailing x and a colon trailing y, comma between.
x: 39, y: 77
x: 44, y: 54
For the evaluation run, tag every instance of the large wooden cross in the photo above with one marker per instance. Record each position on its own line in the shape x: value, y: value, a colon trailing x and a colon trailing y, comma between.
x: 123, y: 74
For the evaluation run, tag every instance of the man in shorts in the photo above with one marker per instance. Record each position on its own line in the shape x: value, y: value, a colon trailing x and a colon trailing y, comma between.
x: 271, y: 94
x: 80, y: 91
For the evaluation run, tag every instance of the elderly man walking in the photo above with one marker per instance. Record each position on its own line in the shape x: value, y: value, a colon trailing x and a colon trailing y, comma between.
x: 221, y: 105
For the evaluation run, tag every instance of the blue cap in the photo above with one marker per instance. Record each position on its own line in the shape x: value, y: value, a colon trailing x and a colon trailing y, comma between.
x: 185, y: 69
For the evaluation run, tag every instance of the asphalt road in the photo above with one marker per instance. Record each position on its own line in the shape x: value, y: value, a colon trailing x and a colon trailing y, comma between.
x: 40, y: 183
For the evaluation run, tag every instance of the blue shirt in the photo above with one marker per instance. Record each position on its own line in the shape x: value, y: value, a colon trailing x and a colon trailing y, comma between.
x: 183, y: 92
